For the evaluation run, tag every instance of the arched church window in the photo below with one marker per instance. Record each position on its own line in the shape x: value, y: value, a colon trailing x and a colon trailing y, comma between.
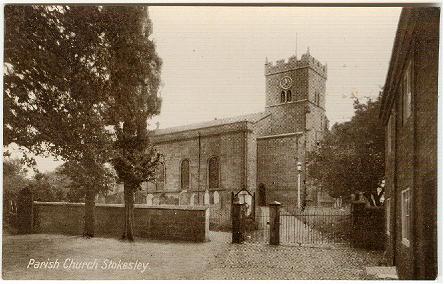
x: 185, y: 174
x: 213, y: 173
x: 283, y: 97
x: 288, y: 96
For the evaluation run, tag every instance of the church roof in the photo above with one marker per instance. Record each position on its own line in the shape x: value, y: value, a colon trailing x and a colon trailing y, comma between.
x: 253, y: 118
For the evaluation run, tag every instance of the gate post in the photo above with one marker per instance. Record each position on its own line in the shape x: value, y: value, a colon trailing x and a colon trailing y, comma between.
x: 358, y: 221
x: 274, y: 222
x: 238, y: 222
x: 25, y: 211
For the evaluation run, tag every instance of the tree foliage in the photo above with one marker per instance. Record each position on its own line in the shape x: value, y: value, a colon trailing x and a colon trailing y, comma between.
x: 81, y: 83
x: 14, y: 178
x: 351, y: 157
x: 55, y: 83
x: 50, y: 186
x: 56, y: 91
x: 134, y: 81
x: 102, y: 179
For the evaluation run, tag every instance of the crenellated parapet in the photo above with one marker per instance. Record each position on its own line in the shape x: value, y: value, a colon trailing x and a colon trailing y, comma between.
x: 293, y: 63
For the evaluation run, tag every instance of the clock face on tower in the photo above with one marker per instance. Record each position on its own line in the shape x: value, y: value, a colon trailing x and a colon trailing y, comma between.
x: 286, y: 82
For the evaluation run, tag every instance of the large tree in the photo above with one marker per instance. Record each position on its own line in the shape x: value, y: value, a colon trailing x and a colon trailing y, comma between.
x: 82, y: 180
x: 55, y: 91
x: 134, y: 82
x: 81, y: 83
x: 351, y: 157
x: 49, y: 186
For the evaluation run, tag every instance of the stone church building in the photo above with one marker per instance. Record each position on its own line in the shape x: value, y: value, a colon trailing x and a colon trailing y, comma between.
x: 203, y: 163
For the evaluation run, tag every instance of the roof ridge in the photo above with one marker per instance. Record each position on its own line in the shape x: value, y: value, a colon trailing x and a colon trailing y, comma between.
x: 251, y: 117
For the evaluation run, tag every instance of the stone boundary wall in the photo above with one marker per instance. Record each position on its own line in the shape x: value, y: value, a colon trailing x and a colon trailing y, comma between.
x: 218, y: 202
x: 164, y: 222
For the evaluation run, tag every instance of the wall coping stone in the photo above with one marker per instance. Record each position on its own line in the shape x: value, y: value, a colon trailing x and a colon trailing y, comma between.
x: 165, y: 207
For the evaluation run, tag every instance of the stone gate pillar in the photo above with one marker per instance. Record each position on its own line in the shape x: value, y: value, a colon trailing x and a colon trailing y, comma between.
x: 274, y: 222
x: 238, y: 222
x: 358, y: 220
x: 25, y: 213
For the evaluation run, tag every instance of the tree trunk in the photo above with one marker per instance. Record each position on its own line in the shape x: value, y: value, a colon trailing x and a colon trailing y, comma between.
x: 128, y: 233
x: 89, y: 213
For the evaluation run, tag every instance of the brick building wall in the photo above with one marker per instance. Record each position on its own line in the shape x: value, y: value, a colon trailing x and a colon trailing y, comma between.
x: 277, y: 158
x: 287, y: 118
x: 277, y: 167
x: 251, y: 162
x: 426, y: 111
x: 390, y: 196
x: 411, y: 145
x: 316, y: 125
x: 316, y: 85
x: 404, y: 180
x: 230, y: 145
x: 234, y: 145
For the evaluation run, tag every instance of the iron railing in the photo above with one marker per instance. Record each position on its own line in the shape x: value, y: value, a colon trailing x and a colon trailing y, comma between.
x: 261, y: 231
x: 315, y: 225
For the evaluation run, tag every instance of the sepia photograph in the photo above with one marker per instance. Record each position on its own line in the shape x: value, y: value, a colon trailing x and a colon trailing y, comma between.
x: 220, y: 142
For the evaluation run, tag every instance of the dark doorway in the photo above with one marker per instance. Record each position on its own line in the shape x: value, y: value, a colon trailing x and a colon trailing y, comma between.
x: 262, y: 195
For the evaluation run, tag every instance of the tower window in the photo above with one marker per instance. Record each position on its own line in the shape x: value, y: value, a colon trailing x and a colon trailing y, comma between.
x: 185, y: 174
x: 288, y: 96
x: 283, y: 97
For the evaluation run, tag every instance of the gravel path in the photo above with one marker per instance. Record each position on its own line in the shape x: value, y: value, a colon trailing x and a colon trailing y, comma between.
x: 167, y: 260
x: 258, y: 261
x: 218, y: 259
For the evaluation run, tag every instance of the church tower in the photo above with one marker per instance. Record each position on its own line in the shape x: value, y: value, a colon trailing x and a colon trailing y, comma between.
x: 295, y: 102
x: 295, y: 96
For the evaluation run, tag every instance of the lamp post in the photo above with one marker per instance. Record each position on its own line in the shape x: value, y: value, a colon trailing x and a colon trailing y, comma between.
x: 299, y: 167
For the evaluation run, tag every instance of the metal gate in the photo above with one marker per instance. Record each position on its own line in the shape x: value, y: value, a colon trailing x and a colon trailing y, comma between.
x: 260, y: 232
x: 315, y: 226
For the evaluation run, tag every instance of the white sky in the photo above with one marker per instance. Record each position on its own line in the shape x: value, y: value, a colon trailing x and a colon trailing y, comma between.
x: 213, y: 57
